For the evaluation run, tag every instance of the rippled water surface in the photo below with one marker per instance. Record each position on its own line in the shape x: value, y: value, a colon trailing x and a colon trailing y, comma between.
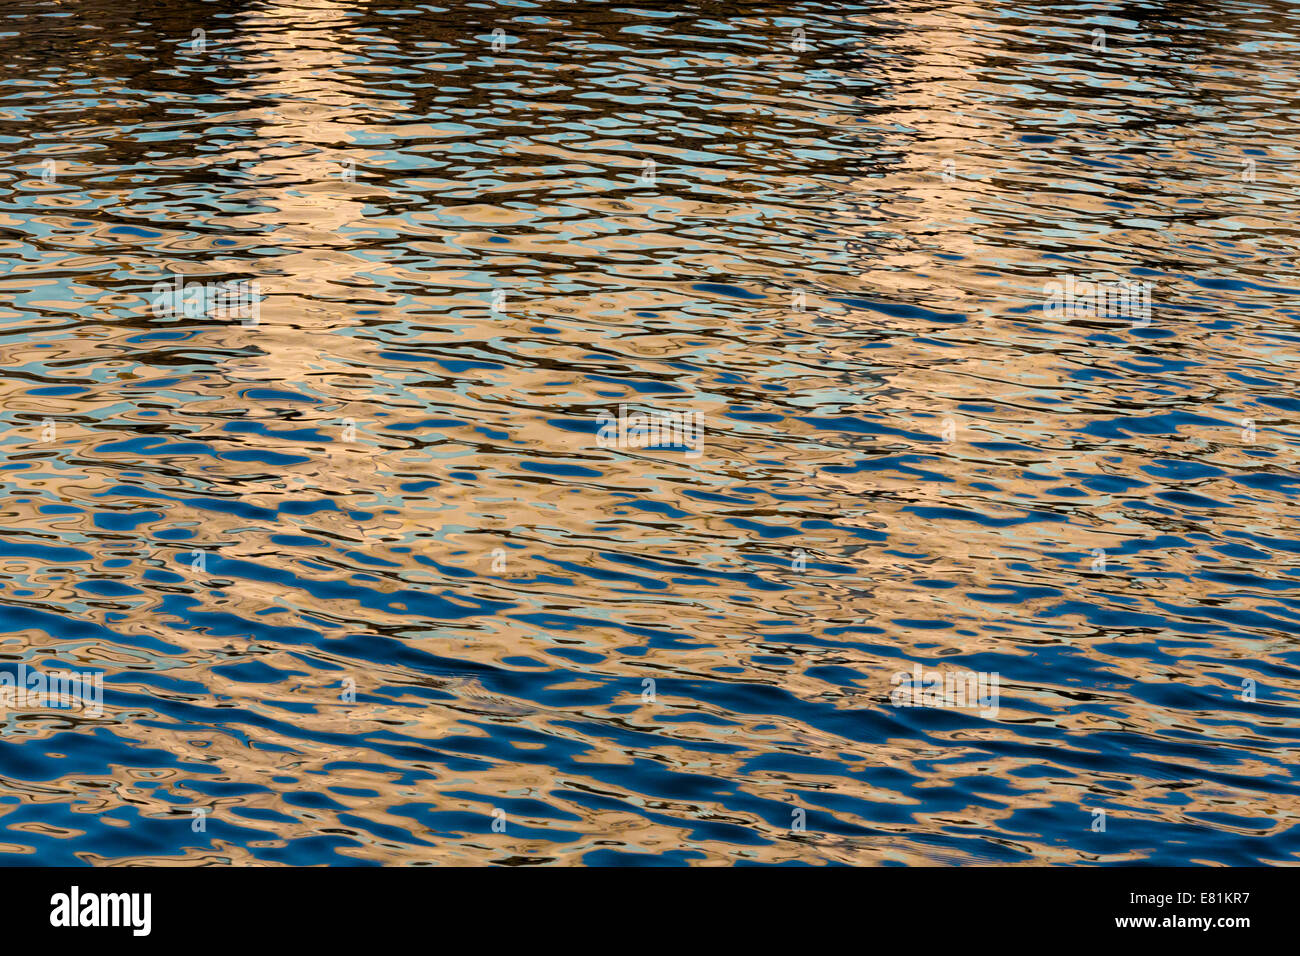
x: 364, y: 580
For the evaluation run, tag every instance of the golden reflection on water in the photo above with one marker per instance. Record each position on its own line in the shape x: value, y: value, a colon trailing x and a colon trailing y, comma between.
x: 377, y: 317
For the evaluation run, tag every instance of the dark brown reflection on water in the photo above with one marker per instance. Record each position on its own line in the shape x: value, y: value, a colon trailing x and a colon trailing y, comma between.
x: 362, y: 577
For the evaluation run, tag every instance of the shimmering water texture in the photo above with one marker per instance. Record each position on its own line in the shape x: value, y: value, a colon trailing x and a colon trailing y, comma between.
x: 369, y: 582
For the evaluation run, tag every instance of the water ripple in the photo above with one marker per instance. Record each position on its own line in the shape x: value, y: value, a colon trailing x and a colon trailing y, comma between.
x: 367, y: 584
